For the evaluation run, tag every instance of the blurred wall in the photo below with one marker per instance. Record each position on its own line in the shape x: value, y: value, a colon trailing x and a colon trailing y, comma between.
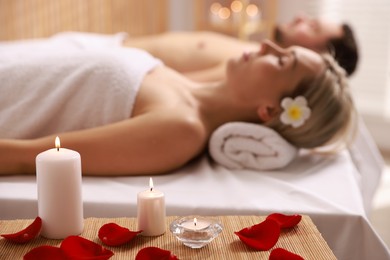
x: 182, y: 15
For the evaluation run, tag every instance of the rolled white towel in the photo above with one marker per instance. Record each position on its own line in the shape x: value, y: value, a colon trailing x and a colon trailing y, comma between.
x: 240, y: 145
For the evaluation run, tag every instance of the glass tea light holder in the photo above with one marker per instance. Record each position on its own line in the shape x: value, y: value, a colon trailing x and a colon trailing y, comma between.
x: 195, y: 231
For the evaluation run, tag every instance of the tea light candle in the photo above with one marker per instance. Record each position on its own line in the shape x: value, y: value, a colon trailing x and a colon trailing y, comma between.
x: 60, y: 204
x: 196, y: 224
x: 195, y: 232
x: 151, y: 211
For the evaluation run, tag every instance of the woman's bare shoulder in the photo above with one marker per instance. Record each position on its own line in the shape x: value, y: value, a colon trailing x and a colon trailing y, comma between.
x: 175, y: 137
x: 185, y: 124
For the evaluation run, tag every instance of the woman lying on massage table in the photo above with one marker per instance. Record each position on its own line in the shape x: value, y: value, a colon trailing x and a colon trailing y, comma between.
x: 89, y: 106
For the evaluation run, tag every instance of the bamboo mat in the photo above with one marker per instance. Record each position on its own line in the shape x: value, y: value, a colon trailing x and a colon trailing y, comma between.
x: 304, y: 240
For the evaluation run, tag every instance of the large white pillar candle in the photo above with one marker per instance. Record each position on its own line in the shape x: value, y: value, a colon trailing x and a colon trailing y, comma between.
x: 60, y: 204
x: 151, y: 211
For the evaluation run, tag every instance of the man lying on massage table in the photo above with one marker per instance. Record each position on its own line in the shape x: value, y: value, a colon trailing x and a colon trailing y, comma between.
x: 202, y: 56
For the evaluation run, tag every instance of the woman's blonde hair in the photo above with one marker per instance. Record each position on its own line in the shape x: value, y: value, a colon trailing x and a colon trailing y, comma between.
x: 333, y: 116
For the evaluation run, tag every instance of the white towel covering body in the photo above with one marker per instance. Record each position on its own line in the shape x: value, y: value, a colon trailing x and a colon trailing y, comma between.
x: 68, y: 82
x: 240, y: 145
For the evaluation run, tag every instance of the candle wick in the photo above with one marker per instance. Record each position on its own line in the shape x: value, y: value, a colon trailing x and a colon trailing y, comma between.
x: 151, y: 189
x: 194, y: 223
x: 58, y: 149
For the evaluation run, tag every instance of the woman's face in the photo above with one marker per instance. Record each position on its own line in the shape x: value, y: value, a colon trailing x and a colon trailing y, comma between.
x: 263, y: 78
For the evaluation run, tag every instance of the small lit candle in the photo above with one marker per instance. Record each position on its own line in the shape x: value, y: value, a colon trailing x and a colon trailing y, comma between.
x: 151, y: 211
x: 195, y: 232
x: 196, y: 224
x: 60, y: 204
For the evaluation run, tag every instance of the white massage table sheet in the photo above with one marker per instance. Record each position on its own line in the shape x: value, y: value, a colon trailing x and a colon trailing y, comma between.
x: 310, y: 184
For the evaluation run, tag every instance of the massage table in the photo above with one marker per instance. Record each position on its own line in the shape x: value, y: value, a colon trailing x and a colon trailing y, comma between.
x: 335, y: 190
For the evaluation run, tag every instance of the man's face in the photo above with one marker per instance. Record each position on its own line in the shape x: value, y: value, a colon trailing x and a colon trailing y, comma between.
x: 312, y: 33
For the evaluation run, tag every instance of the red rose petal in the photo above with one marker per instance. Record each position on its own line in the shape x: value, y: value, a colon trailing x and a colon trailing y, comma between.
x: 152, y: 253
x: 283, y: 254
x: 27, y: 234
x: 262, y: 236
x: 45, y: 253
x: 112, y: 234
x: 77, y: 247
x: 285, y: 221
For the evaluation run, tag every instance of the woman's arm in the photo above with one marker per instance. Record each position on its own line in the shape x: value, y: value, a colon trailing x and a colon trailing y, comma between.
x: 13, y: 156
x: 152, y: 143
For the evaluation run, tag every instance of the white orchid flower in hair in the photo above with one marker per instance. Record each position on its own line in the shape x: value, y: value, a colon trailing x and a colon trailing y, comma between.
x: 296, y: 111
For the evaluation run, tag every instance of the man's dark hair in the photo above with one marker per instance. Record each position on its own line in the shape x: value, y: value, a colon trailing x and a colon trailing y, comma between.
x: 345, y: 50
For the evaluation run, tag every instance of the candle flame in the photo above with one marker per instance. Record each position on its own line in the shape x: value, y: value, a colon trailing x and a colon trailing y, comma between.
x: 57, y: 143
x: 195, y: 221
x: 151, y: 184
